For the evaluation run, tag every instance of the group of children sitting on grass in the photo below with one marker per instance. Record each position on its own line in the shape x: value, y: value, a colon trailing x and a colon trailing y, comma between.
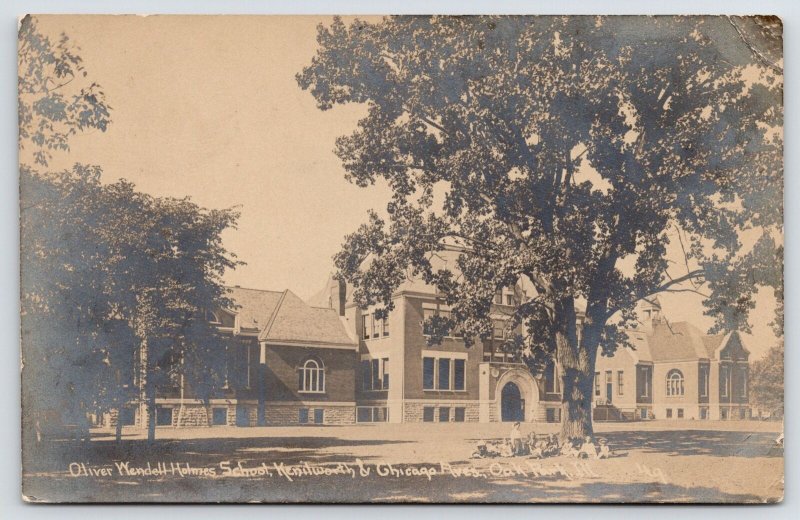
x: 540, y: 447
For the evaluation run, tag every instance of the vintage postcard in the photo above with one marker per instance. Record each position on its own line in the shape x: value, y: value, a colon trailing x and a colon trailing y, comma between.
x: 475, y: 259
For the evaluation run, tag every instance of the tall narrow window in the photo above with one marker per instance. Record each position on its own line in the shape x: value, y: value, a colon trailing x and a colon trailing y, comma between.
x: 427, y: 373
x: 646, y: 381
x: 427, y: 314
x: 458, y: 374
x: 499, y: 327
x: 375, y: 326
x: 724, y: 380
x: 597, y: 384
x: 743, y: 387
x: 551, y: 378
x: 376, y: 374
x: 247, y: 364
x: 444, y: 374
x: 674, y: 383
x: 703, y: 381
x: 312, y: 377
x: 227, y: 363
x: 385, y: 373
x: 366, y: 375
x: 386, y: 326
x: 365, y: 319
x: 620, y: 383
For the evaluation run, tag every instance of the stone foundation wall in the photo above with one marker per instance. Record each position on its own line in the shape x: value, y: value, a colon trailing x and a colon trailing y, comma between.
x: 193, y: 415
x: 289, y: 415
x: 413, y: 412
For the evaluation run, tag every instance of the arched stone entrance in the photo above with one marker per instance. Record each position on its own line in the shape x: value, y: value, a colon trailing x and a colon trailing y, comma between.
x: 512, y: 405
x: 516, y: 396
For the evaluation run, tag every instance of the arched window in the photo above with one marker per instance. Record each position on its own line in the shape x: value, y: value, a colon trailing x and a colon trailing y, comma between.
x: 312, y: 376
x: 674, y: 383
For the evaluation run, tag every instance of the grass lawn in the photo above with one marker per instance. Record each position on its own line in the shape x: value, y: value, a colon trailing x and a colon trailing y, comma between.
x: 674, y: 461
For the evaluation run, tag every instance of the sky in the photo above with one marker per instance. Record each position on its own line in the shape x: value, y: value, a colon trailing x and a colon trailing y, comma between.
x: 210, y: 108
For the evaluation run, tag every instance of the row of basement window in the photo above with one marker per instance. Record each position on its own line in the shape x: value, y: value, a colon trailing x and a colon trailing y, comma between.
x: 444, y: 413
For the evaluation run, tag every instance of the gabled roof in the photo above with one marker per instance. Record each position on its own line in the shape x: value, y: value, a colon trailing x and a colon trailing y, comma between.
x: 677, y: 341
x: 297, y: 322
x: 254, y: 306
x: 713, y: 343
x: 642, y: 349
x: 733, y: 341
x: 282, y: 317
x: 674, y: 341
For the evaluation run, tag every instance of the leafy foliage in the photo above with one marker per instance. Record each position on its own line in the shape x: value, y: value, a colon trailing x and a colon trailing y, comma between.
x: 53, y: 106
x: 115, y: 283
x: 108, y: 272
x: 501, y: 113
x: 766, y: 381
x: 557, y: 150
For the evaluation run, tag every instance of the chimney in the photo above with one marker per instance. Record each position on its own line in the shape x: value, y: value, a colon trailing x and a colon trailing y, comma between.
x: 342, y: 296
x: 337, y: 295
x: 649, y: 313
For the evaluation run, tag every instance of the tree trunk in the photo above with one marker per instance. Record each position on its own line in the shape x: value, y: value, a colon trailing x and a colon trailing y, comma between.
x: 151, y: 412
x: 118, y: 432
x: 576, y: 400
x: 577, y: 361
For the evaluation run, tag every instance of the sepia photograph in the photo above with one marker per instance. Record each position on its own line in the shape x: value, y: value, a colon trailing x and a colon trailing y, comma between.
x: 401, y: 259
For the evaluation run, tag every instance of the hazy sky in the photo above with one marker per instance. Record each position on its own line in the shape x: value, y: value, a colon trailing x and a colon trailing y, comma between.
x: 209, y: 107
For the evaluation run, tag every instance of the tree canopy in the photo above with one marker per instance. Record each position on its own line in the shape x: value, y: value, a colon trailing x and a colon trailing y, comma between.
x: 56, y: 100
x: 115, y: 283
x: 570, y: 151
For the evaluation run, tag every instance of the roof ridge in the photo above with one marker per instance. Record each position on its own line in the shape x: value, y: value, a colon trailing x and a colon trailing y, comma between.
x: 271, y: 320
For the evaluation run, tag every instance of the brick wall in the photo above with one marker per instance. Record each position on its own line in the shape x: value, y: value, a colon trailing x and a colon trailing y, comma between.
x: 282, y: 373
x: 416, y: 342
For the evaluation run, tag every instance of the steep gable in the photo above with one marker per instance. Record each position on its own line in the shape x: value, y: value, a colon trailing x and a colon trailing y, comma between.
x: 733, y: 348
x: 297, y: 322
x: 677, y: 342
x: 253, y: 306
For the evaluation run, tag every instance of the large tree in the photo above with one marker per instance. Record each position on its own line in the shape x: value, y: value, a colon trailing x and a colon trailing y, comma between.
x: 115, y: 288
x: 115, y: 283
x: 568, y: 151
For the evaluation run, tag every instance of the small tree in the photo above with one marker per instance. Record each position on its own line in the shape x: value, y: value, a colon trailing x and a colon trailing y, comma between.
x: 766, y: 382
x: 570, y: 151
x: 179, y: 265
